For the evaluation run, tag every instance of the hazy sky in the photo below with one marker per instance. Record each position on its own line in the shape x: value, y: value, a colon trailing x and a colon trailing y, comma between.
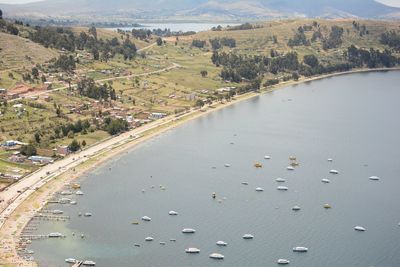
x: 388, y: 2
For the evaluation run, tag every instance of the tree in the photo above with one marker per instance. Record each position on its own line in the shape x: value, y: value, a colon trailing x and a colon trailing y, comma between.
x: 204, y: 73
x: 83, y: 143
x: 1, y: 14
x: 159, y: 41
x: 37, y: 137
x: 35, y: 73
x: 28, y: 150
x: 311, y: 60
x: 199, y: 103
x: 96, y: 54
x: 74, y: 146
x: 93, y: 32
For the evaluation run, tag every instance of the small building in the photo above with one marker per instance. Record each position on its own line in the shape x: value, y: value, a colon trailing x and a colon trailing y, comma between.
x: 157, y: 115
x: 41, y: 160
x: 3, y: 91
x: 12, y: 143
x: 62, y: 151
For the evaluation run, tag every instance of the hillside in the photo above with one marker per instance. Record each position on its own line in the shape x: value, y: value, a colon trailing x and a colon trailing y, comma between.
x: 203, y: 9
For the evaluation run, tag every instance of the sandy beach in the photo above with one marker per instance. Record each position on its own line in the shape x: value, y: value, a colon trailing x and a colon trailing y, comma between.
x: 24, y: 206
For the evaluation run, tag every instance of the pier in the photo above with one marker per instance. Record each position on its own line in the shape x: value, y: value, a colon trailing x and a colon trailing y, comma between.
x: 47, y: 217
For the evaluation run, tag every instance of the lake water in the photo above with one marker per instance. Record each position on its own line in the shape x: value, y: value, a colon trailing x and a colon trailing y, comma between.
x: 176, y: 27
x: 350, y: 118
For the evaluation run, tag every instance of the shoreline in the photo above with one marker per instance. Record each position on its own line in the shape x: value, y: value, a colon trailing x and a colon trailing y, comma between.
x: 13, y: 226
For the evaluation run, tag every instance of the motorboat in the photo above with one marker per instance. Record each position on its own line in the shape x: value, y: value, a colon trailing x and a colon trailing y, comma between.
x: 374, y: 178
x: 173, y: 213
x: 282, y: 188
x: 222, y: 243
x: 146, y: 218
x: 87, y: 214
x: 188, y: 231
x: 88, y: 263
x: 66, y: 193
x: 283, y: 261
x: 76, y: 186
x: 64, y: 200
x: 73, y: 202
x: 55, y: 235
x: 267, y: 157
x: 137, y: 245
x: 216, y: 256
x: 192, y: 250
x: 258, y: 165
x: 360, y: 228
x: 148, y: 239
x: 334, y: 172
x: 227, y: 165
x: 79, y: 193
x: 300, y: 249
x: 327, y: 206
x: 326, y: 181
x: 57, y: 212
x: 280, y: 180
x: 245, y: 183
x: 162, y: 243
x: 259, y: 189
x: 330, y: 159
x: 71, y: 260
x: 296, y: 208
x: 290, y: 168
x: 248, y: 236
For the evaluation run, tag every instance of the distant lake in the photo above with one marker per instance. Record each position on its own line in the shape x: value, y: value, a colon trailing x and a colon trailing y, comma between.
x: 175, y: 27
x: 351, y: 119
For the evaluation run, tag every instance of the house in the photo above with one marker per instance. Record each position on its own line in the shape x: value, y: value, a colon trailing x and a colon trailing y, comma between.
x: 12, y: 143
x: 62, y: 151
x: 157, y: 115
x: 3, y: 91
x: 41, y: 160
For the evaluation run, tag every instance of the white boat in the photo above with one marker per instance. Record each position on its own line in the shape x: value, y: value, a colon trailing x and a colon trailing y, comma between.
x: 327, y: 181
x: 149, y: 238
x: 57, y: 212
x: 245, y: 183
x: 280, y: 180
x: 192, y: 250
x: 64, y: 200
x: 222, y: 243
x: 248, y: 236
x: 290, y: 168
x: 300, y: 249
x: 296, y: 208
x: 79, y: 193
x: 374, y: 178
x: 66, y: 193
x: 227, y: 165
x: 73, y: 202
x: 88, y: 263
x: 334, y: 172
x: 87, y: 214
x: 70, y: 260
x: 55, y: 235
x: 259, y: 189
x: 146, y: 218
x: 173, y: 213
x: 330, y: 160
x: 217, y: 256
x: 360, y: 228
x: 188, y: 231
x: 267, y: 157
x: 282, y: 188
x: 283, y: 261
x: 30, y: 251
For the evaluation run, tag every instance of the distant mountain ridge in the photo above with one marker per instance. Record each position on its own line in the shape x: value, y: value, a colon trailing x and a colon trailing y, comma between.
x: 234, y: 9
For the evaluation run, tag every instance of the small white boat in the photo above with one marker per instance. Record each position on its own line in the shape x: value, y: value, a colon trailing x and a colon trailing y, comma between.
x: 148, y: 239
x: 334, y: 172
x: 66, y: 193
x: 55, y: 235
x: 79, y: 193
x: 283, y: 261
x: 73, y: 202
x: 222, y: 243
x: 374, y: 178
x: 280, y: 180
x: 248, y: 236
x: 360, y: 228
x: 300, y: 249
x: 267, y: 157
x: 87, y: 214
x: 326, y: 181
x: 146, y: 218
x: 290, y: 168
x: 88, y: 263
x: 227, y: 165
x: 259, y: 189
x: 70, y: 260
x: 64, y: 200
x: 188, y: 231
x: 173, y: 213
x: 30, y: 251
x: 282, y: 188
x: 330, y: 160
x: 192, y: 250
x: 216, y: 256
x: 296, y: 208
x: 245, y: 183
x: 57, y: 212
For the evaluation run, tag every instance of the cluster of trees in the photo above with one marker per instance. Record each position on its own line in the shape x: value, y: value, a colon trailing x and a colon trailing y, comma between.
x: 362, y: 29
x: 115, y: 126
x: 334, y: 39
x: 65, y: 39
x: 87, y: 87
x: 71, y: 128
x: 225, y: 41
x: 65, y: 63
x: 372, y: 58
x: 198, y: 43
x: 245, y: 26
x: 392, y: 39
x: 299, y: 38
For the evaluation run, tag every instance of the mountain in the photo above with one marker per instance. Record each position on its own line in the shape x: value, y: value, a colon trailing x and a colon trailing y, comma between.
x: 234, y: 9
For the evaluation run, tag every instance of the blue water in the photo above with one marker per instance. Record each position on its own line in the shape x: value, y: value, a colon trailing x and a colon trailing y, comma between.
x: 176, y: 27
x: 350, y: 118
